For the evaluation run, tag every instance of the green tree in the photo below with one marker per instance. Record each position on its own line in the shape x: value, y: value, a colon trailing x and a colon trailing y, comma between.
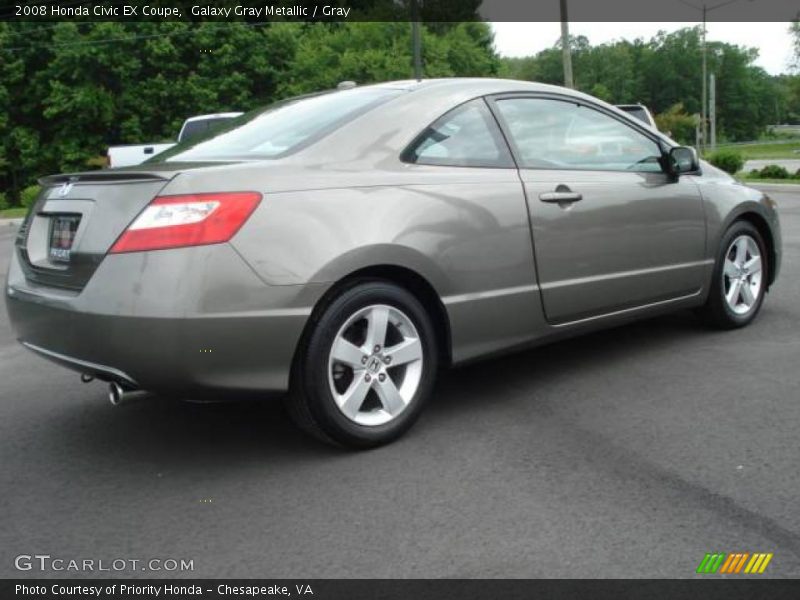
x: 69, y: 90
x: 677, y: 123
x: 372, y: 52
x: 666, y: 71
x: 794, y: 31
x: 523, y: 68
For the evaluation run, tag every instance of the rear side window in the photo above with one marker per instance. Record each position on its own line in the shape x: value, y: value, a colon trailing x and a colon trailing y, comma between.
x: 467, y: 136
x: 281, y: 129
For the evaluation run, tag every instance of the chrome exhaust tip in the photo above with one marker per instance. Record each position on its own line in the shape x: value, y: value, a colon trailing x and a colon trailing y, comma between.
x: 120, y: 394
x: 116, y: 393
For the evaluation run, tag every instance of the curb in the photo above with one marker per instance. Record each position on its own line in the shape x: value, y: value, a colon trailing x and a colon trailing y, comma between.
x: 775, y: 187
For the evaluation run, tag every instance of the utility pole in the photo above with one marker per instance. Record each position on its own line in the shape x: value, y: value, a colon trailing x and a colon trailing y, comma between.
x: 416, y: 39
x: 565, y: 46
x: 703, y: 131
x: 704, y: 100
x: 712, y: 110
x: 417, y: 50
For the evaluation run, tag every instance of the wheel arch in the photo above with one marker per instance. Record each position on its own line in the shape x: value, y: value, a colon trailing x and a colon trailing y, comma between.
x: 762, y: 225
x: 410, y: 280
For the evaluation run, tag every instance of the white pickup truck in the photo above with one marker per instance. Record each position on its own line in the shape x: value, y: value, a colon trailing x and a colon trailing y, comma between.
x: 136, y: 154
x: 640, y: 111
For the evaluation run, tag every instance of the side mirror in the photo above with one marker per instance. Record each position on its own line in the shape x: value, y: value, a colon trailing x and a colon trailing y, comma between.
x: 683, y: 159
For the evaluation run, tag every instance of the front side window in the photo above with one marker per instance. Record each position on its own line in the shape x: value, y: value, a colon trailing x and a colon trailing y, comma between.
x: 556, y: 134
x: 467, y: 136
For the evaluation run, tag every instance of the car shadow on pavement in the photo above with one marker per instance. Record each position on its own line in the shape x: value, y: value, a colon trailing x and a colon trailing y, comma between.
x: 153, y: 427
x: 570, y: 358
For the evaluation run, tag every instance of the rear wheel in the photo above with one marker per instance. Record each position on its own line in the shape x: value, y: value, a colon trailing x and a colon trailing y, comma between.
x: 740, y: 277
x: 367, y: 367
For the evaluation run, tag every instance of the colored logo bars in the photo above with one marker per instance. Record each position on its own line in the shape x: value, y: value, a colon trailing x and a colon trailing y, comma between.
x: 734, y: 562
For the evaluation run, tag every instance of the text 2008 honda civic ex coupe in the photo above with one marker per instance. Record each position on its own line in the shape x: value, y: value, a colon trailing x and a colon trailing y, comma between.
x: 344, y: 246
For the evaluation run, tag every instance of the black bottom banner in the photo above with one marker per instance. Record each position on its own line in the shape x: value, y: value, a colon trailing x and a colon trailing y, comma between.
x: 401, y: 589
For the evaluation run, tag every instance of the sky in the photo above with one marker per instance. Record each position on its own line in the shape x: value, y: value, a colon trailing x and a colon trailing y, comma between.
x: 772, y: 39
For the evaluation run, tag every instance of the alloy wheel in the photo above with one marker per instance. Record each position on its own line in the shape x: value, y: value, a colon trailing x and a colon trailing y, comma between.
x: 742, y: 275
x: 375, y: 365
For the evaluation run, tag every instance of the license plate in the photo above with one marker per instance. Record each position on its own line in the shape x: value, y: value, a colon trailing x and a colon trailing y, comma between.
x: 62, y: 234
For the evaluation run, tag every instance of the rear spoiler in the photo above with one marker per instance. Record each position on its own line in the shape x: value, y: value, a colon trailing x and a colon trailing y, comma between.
x: 106, y: 176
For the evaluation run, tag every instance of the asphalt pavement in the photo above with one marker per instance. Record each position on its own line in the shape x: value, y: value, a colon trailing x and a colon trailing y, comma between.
x: 626, y: 453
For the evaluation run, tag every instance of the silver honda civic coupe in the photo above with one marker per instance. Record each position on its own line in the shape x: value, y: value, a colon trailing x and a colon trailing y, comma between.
x: 338, y: 249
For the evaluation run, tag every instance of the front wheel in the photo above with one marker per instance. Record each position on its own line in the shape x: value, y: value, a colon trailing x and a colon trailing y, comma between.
x: 739, y: 280
x: 367, y: 367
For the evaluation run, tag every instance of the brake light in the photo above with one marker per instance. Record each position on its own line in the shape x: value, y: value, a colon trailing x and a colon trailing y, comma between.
x: 191, y: 220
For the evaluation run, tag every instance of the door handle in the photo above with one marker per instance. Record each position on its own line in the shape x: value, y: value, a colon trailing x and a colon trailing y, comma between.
x: 561, y: 196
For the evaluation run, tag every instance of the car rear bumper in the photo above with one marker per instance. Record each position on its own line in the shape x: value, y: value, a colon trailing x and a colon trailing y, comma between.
x: 180, y: 321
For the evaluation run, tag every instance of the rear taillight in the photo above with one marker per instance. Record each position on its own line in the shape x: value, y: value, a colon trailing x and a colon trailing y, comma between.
x: 191, y: 220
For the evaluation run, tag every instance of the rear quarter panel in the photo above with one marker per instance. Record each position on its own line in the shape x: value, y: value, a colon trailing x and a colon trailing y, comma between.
x: 464, y: 230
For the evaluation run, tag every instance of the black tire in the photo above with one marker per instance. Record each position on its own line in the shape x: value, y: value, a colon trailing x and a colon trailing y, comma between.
x: 311, y: 403
x: 716, y: 311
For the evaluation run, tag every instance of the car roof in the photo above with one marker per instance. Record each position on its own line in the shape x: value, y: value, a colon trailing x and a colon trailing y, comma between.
x: 480, y: 85
x: 224, y: 115
x: 394, y: 124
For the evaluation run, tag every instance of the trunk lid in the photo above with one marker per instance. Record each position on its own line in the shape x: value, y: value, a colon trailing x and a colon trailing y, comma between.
x: 77, y: 218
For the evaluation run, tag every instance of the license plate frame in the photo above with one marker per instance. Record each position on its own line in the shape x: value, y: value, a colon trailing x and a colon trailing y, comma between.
x: 62, y: 237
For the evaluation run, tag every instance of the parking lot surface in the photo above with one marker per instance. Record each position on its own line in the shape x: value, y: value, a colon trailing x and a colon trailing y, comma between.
x: 625, y: 453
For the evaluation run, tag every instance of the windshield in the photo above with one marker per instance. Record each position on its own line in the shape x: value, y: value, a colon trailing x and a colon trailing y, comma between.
x: 280, y: 129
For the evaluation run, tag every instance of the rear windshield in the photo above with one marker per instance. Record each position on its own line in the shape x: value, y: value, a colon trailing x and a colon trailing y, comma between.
x: 280, y: 129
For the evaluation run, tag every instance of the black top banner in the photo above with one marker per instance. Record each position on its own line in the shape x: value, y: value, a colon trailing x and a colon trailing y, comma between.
x: 401, y: 10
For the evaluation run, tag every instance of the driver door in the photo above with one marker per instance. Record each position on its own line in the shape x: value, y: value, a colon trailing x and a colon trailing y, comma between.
x: 611, y: 230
